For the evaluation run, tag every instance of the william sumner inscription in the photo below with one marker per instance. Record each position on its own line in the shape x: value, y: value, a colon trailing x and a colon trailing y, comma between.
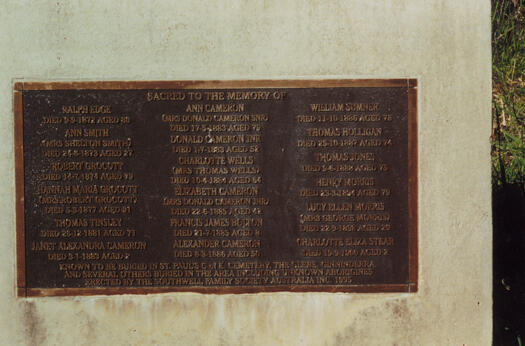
x: 216, y: 186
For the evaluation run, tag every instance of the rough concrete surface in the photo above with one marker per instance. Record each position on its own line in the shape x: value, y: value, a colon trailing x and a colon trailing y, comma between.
x: 445, y: 44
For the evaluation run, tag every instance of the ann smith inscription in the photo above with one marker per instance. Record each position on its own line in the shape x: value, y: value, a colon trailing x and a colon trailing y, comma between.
x: 216, y: 186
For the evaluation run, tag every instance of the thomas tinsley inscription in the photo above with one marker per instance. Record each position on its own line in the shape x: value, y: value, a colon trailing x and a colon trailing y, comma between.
x: 216, y: 186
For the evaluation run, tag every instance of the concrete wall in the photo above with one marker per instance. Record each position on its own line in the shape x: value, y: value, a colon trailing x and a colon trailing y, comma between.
x: 445, y: 44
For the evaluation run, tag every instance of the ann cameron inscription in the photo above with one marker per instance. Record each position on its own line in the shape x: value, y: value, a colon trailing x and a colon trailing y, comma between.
x: 216, y: 186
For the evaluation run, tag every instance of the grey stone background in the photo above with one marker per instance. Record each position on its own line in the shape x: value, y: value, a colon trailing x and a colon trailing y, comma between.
x: 445, y: 44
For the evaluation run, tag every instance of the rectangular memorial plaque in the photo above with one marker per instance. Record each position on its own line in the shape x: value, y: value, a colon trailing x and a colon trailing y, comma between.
x: 216, y: 186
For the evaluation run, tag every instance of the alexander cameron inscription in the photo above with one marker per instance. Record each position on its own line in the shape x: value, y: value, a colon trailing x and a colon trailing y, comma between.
x: 216, y: 186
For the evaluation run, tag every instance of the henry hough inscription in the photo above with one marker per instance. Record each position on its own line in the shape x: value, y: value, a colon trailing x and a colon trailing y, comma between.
x: 216, y: 186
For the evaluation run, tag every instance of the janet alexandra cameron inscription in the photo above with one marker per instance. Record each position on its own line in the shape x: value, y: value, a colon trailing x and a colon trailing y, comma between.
x: 216, y: 186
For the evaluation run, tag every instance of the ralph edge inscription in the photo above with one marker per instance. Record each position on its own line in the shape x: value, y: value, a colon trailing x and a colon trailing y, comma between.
x: 216, y: 186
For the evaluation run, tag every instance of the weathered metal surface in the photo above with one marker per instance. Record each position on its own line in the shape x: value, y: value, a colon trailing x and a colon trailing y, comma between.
x: 216, y: 186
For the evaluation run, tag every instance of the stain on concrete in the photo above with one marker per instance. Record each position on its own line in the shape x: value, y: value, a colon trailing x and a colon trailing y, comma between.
x: 34, y: 331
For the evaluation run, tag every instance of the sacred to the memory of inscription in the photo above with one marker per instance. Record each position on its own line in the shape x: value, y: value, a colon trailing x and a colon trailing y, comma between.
x: 216, y: 186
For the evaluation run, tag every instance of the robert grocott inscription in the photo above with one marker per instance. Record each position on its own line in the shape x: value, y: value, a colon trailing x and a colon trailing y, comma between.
x: 216, y: 186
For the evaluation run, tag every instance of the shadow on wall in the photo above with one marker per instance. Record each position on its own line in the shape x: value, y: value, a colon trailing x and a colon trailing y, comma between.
x: 508, y: 207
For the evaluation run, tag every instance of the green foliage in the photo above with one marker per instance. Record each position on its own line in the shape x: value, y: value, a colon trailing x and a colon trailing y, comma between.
x: 508, y: 106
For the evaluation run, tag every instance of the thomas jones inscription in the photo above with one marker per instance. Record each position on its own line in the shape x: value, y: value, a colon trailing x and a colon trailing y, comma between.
x: 219, y: 186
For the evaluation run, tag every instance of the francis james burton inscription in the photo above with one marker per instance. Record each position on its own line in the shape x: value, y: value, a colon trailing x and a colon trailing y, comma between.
x: 216, y: 186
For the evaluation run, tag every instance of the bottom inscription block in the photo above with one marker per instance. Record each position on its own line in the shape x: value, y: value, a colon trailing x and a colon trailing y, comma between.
x: 216, y: 186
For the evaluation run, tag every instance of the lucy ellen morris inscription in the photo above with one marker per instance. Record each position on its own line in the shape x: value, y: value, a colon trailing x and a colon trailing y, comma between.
x: 216, y: 186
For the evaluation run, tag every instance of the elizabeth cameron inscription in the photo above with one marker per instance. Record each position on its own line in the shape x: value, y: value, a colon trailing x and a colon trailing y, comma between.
x: 218, y: 186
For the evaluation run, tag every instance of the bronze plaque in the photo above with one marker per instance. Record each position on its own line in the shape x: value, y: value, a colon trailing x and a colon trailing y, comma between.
x: 216, y: 186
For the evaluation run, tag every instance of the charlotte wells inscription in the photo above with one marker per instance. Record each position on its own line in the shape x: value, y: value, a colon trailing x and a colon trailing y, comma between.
x: 219, y: 186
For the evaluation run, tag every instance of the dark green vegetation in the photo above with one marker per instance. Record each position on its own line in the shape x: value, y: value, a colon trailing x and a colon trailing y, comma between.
x: 508, y: 62
x: 508, y: 173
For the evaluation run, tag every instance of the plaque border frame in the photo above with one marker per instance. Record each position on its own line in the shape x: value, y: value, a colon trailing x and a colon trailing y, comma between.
x: 410, y: 83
